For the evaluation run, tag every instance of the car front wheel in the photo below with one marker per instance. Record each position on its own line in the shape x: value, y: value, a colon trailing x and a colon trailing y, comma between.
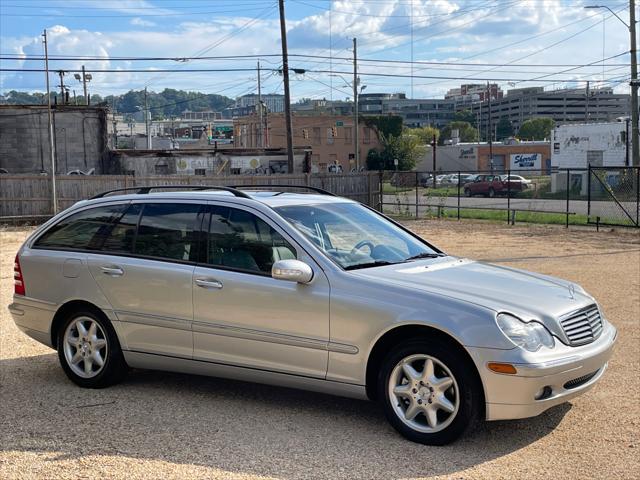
x: 428, y: 392
x: 89, y: 351
x: 467, y: 192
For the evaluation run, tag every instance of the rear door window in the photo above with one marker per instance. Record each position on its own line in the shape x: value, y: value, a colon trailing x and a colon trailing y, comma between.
x: 168, y: 231
x: 123, y: 233
x: 84, y: 230
x: 240, y: 240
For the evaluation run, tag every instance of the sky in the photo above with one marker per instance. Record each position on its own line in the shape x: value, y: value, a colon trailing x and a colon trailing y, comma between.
x: 551, y: 43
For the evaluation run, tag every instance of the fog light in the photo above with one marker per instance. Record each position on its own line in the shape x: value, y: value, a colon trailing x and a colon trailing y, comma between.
x: 544, y: 392
x: 502, y: 368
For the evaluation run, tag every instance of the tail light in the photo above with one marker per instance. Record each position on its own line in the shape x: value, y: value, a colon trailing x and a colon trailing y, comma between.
x: 18, y: 279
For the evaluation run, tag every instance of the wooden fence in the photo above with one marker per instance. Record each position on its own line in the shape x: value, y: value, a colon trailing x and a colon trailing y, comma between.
x: 29, y: 196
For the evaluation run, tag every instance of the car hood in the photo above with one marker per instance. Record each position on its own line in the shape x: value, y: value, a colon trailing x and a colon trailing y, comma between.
x: 502, y: 289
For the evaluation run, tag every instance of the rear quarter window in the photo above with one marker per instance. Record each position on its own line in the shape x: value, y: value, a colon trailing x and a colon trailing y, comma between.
x: 84, y: 230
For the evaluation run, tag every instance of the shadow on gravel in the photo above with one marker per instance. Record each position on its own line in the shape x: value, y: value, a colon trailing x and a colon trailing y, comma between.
x: 233, y: 426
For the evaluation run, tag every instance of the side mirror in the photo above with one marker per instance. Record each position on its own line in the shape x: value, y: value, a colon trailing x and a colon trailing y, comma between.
x: 292, y: 271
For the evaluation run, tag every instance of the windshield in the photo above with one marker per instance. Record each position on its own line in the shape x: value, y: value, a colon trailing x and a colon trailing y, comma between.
x: 354, y: 236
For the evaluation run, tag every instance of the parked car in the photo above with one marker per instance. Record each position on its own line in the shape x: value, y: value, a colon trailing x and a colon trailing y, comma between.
x: 517, y: 178
x: 493, y: 185
x: 309, y: 291
x: 454, y: 178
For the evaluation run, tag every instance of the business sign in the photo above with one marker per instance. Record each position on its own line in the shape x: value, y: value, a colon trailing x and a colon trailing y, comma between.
x: 526, y: 161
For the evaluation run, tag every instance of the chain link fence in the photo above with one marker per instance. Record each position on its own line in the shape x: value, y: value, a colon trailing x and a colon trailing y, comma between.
x: 601, y: 196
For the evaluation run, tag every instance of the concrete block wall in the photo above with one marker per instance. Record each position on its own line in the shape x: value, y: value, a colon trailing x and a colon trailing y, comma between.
x: 80, y: 138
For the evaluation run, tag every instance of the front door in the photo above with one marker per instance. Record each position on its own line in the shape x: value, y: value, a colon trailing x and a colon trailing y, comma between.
x: 145, y: 270
x: 244, y: 317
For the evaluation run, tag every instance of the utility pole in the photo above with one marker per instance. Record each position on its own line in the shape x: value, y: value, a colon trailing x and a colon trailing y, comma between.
x: 84, y: 86
x: 634, y: 87
x: 115, y: 123
x: 355, y: 104
x: 287, y: 95
x: 586, y: 104
x: 61, y: 73
x: 146, y: 119
x: 434, y: 144
x: 489, y: 132
x: 260, y: 129
x: 52, y: 147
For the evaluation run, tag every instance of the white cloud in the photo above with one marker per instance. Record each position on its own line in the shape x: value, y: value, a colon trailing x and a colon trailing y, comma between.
x: 140, y: 22
x: 444, y: 30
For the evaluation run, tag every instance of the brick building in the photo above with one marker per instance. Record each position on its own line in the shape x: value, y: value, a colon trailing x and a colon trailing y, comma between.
x: 469, y: 157
x: 316, y: 132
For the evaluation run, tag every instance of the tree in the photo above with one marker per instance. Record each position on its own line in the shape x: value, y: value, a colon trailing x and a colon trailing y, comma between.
x: 504, y: 129
x: 466, y: 132
x: 465, y: 116
x: 406, y: 148
x: 536, y: 128
x: 425, y: 134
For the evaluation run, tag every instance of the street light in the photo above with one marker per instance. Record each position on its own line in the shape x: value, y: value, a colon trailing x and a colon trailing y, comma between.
x: 631, y: 26
x: 84, y: 78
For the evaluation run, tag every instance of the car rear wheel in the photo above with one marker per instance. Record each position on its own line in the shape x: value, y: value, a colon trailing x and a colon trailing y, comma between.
x: 492, y: 193
x: 429, y: 393
x: 89, y: 351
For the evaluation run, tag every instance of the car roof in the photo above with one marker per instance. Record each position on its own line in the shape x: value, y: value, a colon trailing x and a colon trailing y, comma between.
x: 271, y: 198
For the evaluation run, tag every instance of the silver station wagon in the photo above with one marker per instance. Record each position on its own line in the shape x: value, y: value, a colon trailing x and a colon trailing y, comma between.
x: 304, y: 290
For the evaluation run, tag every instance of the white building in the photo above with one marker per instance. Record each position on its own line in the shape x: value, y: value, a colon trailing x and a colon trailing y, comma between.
x: 578, y: 146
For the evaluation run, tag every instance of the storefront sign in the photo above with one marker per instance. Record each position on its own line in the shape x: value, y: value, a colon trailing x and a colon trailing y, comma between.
x: 526, y: 161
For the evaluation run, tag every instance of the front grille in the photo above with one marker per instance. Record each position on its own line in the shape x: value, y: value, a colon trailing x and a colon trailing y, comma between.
x: 576, y: 382
x: 583, y: 326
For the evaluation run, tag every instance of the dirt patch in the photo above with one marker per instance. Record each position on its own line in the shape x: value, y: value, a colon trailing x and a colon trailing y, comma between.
x: 158, y: 425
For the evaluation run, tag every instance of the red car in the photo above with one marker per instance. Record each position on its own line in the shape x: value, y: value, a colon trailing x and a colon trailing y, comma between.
x: 492, y: 185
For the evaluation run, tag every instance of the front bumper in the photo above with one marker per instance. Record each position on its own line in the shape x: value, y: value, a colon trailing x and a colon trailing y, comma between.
x: 568, y: 373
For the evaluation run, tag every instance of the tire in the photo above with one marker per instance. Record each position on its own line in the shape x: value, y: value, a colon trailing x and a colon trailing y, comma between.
x: 467, y: 192
x: 97, y: 344
x: 492, y: 193
x: 463, y: 398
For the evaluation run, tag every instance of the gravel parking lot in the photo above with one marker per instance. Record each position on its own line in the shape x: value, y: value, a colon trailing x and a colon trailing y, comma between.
x: 160, y: 425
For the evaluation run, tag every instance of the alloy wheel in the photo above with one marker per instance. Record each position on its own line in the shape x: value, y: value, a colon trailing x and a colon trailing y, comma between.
x: 424, y: 393
x: 85, y: 347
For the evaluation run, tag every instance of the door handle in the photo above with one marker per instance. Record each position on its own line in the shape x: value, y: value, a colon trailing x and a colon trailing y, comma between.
x: 209, y: 283
x: 112, y: 270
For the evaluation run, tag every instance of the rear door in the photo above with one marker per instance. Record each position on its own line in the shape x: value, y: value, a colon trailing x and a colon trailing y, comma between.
x: 145, y: 270
x: 243, y: 316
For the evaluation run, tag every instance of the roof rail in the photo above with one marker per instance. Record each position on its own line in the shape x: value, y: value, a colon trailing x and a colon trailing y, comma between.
x: 143, y: 190
x: 280, y: 185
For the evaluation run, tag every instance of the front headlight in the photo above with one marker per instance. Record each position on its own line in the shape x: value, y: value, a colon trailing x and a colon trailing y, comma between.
x: 531, y: 336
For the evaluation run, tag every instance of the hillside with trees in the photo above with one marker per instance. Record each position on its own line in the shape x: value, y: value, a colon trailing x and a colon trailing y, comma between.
x: 165, y: 104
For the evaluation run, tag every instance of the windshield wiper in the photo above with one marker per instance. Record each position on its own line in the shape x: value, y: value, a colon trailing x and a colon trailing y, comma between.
x: 425, y: 255
x: 377, y: 263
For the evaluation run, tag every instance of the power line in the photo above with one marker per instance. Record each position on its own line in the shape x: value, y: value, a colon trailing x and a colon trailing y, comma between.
x: 19, y: 57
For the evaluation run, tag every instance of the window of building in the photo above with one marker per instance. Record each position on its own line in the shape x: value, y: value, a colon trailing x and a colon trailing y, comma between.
x: 84, y: 230
x: 162, y: 169
x: 201, y: 171
x: 167, y: 230
x: 595, y: 157
x: 240, y: 240
x: 329, y: 136
x: 348, y: 135
x: 367, y: 135
x: 317, y: 136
